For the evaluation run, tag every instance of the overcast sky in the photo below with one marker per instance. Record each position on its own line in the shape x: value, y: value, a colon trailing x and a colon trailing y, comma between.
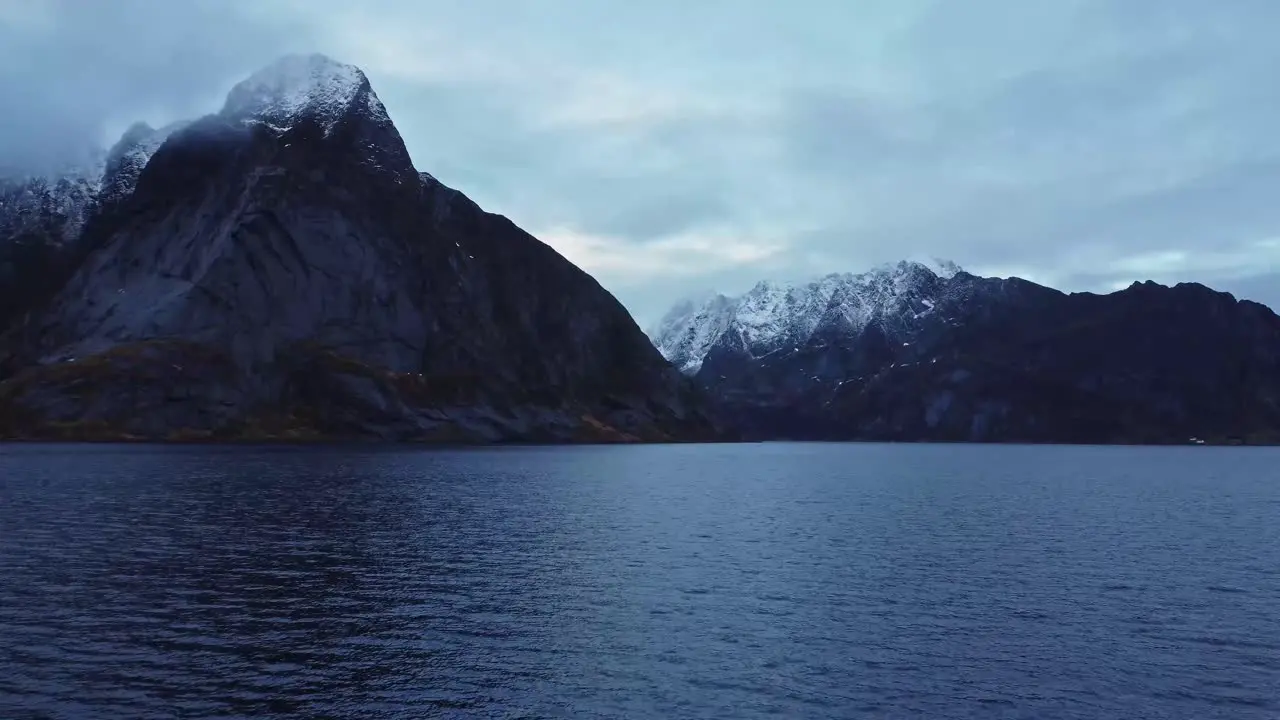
x: 674, y: 146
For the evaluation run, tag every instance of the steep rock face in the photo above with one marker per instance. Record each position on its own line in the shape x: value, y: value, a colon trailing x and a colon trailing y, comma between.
x: 280, y: 268
x: 125, y: 160
x: 964, y: 358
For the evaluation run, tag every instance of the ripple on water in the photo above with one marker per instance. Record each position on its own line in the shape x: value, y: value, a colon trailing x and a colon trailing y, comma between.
x: 688, y: 581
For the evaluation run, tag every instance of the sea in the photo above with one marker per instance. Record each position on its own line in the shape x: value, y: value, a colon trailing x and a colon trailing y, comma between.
x: 771, y: 580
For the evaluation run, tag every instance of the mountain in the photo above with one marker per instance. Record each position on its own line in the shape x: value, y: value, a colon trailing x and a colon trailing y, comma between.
x: 280, y: 269
x: 907, y: 353
x: 773, y: 317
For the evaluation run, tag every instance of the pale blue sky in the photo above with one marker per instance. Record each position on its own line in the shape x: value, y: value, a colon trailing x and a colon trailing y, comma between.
x: 674, y: 146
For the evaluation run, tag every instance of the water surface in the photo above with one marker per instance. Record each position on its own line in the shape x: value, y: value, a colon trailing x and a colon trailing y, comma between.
x: 775, y: 580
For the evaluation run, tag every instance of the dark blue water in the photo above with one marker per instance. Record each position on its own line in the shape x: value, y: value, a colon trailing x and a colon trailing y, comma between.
x: 691, y: 581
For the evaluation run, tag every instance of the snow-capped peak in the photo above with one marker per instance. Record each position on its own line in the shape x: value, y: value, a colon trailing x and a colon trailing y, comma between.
x: 311, y: 85
x: 690, y: 327
x: 61, y: 198
x: 772, y: 315
x: 131, y: 154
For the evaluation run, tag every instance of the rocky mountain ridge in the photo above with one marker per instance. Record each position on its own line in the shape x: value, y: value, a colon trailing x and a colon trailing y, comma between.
x: 772, y: 317
x: 905, y: 353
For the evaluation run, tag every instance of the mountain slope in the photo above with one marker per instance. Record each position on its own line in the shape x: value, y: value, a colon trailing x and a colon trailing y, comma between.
x: 280, y: 268
x: 905, y: 354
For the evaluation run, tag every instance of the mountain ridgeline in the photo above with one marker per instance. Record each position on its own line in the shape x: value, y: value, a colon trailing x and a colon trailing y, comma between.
x: 912, y: 353
x: 281, y: 270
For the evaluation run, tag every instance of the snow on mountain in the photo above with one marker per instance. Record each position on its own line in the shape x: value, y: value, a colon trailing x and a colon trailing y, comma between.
x: 130, y: 155
x: 285, y: 266
x: 772, y: 315
x: 295, y: 86
x: 690, y: 327
x: 56, y: 203
x: 944, y: 269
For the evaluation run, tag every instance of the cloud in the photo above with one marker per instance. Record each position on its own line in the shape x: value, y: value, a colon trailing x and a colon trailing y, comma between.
x: 1074, y: 153
x: 677, y: 256
x: 634, y: 271
x: 1230, y: 264
x: 71, y: 70
x: 1243, y: 265
x: 670, y: 146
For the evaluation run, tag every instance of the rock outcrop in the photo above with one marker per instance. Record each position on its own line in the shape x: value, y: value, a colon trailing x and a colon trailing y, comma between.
x: 280, y: 269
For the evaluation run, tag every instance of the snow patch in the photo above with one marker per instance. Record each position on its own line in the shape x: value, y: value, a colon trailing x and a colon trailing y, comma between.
x: 301, y: 85
x: 686, y: 333
x: 61, y: 198
x: 131, y: 154
x: 773, y: 316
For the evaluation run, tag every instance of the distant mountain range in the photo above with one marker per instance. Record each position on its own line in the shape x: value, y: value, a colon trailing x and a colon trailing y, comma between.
x: 912, y: 353
x: 280, y: 269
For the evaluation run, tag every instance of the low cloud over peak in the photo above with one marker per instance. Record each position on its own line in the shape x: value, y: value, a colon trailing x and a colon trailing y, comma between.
x: 668, y: 147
